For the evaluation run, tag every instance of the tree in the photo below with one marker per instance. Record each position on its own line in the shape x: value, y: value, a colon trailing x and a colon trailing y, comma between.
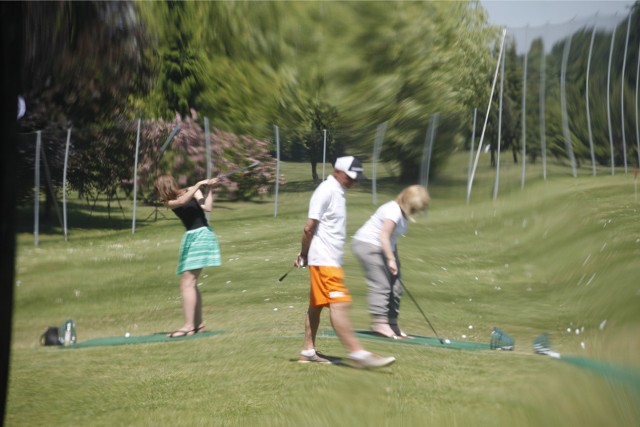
x: 416, y: 60
x: 185, y: 158
x: 181, y: 62
x: 82, y: 61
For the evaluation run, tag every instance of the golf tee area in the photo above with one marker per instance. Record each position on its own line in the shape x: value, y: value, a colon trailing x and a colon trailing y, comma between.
x: 560, y: 256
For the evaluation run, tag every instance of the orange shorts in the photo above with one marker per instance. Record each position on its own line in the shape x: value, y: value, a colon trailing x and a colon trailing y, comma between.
x: 327, y: 286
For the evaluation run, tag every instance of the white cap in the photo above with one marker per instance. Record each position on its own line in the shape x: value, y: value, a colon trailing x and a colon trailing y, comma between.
x: 351, y: 166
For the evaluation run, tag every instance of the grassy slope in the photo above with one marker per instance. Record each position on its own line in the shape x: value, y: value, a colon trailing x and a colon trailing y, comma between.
x: 560, y: 254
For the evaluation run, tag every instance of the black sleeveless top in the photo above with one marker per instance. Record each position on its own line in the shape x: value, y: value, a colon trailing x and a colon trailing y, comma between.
x: 191, y: 215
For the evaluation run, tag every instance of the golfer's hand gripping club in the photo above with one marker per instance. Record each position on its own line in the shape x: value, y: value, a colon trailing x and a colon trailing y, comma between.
x: 300, y: 262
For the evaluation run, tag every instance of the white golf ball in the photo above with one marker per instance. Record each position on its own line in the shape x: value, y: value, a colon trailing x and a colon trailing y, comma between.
x: 447, y: 342
x: 127, y: 335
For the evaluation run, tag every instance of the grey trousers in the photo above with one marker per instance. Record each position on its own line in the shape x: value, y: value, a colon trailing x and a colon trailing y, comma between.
x: 384, y: 290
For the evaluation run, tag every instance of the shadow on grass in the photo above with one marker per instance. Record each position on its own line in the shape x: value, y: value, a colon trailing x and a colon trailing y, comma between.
x: 84, y: 216
x: 79, y: 216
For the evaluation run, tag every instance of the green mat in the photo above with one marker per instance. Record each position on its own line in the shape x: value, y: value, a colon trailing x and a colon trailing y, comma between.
x: 416, y: 340
x: 142, y: 339
x: 623, y: 374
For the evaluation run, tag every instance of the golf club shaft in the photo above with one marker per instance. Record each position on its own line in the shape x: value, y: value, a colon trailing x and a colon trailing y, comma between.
x: 286, y: 274
x: 421, y: 312
x: 238, y: 170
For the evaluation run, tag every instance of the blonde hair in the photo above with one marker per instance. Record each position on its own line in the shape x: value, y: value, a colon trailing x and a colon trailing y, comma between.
x: 167, y: 188
x: 413, y: 199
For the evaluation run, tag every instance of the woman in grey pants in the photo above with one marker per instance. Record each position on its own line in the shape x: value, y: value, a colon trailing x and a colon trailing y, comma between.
x: 375, y: 246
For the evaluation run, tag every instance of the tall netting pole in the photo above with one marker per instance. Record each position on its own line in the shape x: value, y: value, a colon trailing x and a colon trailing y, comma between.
x: 486, y: 117
x: 637, y: 127
x: 427, y: 150
x: 473, y: 143
x: 64, y: 185
x: 613, y: 164
x: 543, y: 141
x: 497, y: 180
x: 524, y: 107
x: 586, y: 91
x: 563, y: 102
x: 324, y: 150
x: 622, y: 85
x: 207, y: 146
x: 135, y: 179
x: 277, y: 134
x: 377, y: 147
x: 207, y: 154
x: 36, y: 196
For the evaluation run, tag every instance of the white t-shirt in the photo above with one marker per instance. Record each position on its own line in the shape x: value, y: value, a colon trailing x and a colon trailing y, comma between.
x: 370, y: 231
x: 328, y: 206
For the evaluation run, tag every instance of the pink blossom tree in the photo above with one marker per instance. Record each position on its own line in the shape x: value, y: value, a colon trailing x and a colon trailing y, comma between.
x: 185, y: 158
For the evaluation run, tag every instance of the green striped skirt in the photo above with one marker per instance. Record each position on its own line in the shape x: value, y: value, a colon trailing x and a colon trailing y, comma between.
x: 199, y: 249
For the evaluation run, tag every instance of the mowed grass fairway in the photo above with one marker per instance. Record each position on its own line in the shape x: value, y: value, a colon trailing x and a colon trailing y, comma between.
x: 561, y: 254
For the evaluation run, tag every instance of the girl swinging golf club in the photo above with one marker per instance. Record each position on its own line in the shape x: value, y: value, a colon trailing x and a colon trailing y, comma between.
x: 199, y: 247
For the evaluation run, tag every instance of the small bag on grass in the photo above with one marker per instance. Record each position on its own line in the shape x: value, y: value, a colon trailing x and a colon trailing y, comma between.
x: 51, y: 336
x: 500, y: 340
x: 60, y: 335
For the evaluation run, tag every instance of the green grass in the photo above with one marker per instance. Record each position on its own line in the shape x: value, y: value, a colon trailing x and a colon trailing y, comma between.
x: 563, y: 253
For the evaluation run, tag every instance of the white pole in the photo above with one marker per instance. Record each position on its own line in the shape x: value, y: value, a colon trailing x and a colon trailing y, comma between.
x: 613, y: 165
x: 473, y: 142
x: 324, y: 151
x: 524, y: 108
x: 563, y: 104
x: 135, y: 179
x: 432, y: 138
x: 377, y: 147
x: 422, y: 180
x: 277, y: 132
x: 637, y: 128
x: 207, y: 146
x: 593, y: 156
x: 543, y: 131
x: 497, y: 180
x: 486, y: 118
x: 64, y: 185
x: 622, y: 84
x: 207, y: 149
x: 36, y: 198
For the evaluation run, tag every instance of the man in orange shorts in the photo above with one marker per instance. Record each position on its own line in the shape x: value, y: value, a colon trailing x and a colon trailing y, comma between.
x: 322, y: 248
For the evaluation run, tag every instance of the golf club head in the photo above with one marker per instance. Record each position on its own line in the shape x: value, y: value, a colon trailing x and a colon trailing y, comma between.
x: 283, y: 276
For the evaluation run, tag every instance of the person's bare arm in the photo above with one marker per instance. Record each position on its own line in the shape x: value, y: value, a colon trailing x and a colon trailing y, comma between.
x: 183, y: 199
x: 206, y: 203
x: 385, y: 241
x: 307, y: 235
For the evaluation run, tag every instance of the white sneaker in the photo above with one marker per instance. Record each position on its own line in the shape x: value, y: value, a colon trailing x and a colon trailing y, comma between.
x: 316, y: 358
x: 372, y: 361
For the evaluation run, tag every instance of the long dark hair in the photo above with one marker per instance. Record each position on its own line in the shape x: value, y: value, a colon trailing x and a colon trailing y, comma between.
x: 167, y: 187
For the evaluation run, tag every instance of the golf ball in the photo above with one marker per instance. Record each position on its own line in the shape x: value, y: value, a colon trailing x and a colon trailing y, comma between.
x: 127, y: 335
x: 447, y: 342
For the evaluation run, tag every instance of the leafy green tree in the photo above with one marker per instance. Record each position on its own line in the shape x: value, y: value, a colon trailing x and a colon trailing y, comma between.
x: 180, y: 62
x: 416, y: 60
x: 82, y: 62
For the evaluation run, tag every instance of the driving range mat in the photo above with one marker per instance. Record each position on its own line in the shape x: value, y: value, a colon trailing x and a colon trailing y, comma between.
x: 141, y: 339
x: 416, y: 340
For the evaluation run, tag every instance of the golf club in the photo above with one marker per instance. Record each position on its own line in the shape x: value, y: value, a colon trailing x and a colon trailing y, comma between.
x: 422, y: 312
x: 252, y: 165
x: 285, y: 274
